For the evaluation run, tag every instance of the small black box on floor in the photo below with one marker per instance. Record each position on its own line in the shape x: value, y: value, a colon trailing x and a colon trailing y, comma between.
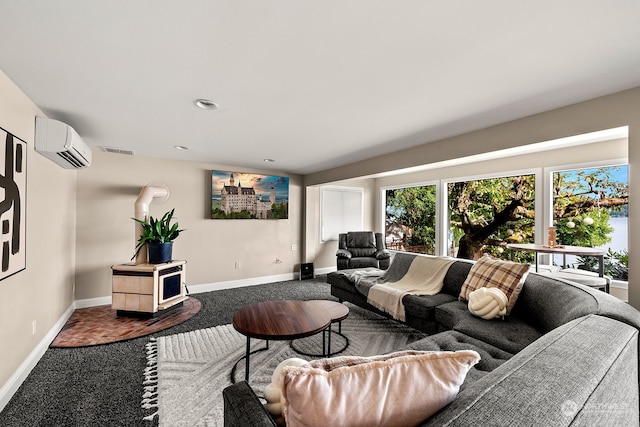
x: 306, y: 271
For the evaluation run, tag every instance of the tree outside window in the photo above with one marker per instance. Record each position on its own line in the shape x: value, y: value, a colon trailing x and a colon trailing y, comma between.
x: 487, y: 214
x: 590, y: 209
x: 410, y: 219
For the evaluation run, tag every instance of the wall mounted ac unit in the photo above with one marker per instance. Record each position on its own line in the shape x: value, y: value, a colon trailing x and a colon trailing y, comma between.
x: 59, y: 142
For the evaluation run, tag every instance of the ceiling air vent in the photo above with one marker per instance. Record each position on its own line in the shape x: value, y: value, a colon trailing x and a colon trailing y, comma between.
x: 118, y: 150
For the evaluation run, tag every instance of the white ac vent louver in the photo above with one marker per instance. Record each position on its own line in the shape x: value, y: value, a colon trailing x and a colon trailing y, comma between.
x: 118, y: 150
x: 58, y: 142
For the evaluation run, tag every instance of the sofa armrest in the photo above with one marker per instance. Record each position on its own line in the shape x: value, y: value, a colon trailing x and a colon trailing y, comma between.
x: 584, y: 373
x: 242, y: 407
x: 343, y: 253
x: 383, y: 254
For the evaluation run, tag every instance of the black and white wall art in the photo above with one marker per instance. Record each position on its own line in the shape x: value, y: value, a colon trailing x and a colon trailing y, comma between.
x: 13, y: 187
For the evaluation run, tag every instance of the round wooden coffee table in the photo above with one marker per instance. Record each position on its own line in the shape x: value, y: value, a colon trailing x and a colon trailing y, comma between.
x: 338, y: 312
x: 278, y: 320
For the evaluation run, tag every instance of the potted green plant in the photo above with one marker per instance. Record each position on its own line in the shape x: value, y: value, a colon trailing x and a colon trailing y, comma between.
x: 158, y: 235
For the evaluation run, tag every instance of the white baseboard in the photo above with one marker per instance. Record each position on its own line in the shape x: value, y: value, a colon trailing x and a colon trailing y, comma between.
x: 325, y: 270
x: 93, y: 302
x: 15, y: 381
x: 208, y: 287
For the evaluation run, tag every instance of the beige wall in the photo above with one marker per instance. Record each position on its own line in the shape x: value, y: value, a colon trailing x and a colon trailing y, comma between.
x: 607, y: 112
x: 44, y: 291
x: 105, y: 232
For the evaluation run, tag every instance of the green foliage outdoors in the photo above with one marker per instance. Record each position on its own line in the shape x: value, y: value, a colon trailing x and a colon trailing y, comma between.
x: 616, y: 264
x: 488, y: 214
x: 595, y: 234
x: 412, y: 212
x: 587, y: 193
x: 591, y: 195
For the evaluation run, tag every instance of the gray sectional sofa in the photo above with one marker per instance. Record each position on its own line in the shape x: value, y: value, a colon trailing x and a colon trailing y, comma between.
x: 567, y: 355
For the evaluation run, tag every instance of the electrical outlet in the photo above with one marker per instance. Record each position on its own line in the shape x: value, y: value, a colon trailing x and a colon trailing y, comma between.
x: 237, y: 265
x: 294, y: 247
x: 34, y: 326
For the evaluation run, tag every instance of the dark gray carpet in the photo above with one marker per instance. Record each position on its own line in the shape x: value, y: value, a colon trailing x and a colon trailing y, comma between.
x: 102, y: 385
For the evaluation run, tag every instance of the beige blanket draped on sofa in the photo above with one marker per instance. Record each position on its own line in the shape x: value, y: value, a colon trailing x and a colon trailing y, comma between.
x: 424, y: 277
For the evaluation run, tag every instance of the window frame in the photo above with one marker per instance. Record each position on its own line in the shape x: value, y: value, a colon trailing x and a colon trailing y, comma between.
x: 445, y: 222
x: 383, y: 199
x: 548, y: 172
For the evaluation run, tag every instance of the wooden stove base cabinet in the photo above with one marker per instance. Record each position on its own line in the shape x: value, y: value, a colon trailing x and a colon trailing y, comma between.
x: 148, y: 288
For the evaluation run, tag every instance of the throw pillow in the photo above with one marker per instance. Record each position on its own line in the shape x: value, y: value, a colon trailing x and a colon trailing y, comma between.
x: 400, y: 388
x: 488, y: 272
x: 488, y: 303
x: 273, y: 391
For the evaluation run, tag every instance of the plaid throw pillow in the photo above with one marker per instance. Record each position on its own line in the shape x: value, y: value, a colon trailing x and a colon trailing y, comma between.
x: 494, y: 273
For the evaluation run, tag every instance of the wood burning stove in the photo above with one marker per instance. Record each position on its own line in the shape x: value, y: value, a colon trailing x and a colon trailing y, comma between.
x: 148, y: 288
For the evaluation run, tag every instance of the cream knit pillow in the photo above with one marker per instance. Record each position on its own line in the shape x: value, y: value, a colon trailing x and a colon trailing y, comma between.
x: 488, y: 272
x: 488, y: 303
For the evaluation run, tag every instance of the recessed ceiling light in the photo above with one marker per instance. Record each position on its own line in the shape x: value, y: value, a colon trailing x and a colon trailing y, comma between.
x: 180, y: 147
x: 205, y: 104
x: 269, y: 160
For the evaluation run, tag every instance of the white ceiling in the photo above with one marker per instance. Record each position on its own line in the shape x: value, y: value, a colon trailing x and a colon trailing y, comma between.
x: 312, y: 85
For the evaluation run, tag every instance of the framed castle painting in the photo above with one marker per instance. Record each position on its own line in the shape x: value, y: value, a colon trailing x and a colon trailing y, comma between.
x: 13, y: 188
x: 239, y: 195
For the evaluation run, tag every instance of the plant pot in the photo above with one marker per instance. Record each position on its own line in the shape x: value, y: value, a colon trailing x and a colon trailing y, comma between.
x: 159, y: 252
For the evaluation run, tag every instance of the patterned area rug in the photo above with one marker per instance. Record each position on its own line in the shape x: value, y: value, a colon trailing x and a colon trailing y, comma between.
x: 187, y: 372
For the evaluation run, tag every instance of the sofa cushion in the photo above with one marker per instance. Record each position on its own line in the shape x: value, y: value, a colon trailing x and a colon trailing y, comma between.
x: 495, y: 273
x: 490, y: 357
x: 400, y: 390
x: 455, y: 277
x: 510, y: 334
x: 424, y: 305
x: 363, y: 262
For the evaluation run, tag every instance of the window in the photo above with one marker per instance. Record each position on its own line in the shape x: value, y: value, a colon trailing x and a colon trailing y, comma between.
x: 340, y: 211
x: 487, y: 214
x: 410, y: 219
x: 590, y: 209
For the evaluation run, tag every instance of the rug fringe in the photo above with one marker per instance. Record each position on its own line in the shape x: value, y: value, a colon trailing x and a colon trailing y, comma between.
x: 150, y: 383
x: 150, y: 417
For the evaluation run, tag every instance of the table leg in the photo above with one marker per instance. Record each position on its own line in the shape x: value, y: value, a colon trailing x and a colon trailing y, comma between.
x: 511, y: 250
x: 246, y: 366
x: 329, y: 344
x: 601, y: 265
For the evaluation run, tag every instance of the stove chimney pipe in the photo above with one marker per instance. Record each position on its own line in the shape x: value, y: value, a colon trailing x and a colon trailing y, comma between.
x: 148, y: 194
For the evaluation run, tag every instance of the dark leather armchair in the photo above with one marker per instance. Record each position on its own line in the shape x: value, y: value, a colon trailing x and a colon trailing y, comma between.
x: 359, y: 249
